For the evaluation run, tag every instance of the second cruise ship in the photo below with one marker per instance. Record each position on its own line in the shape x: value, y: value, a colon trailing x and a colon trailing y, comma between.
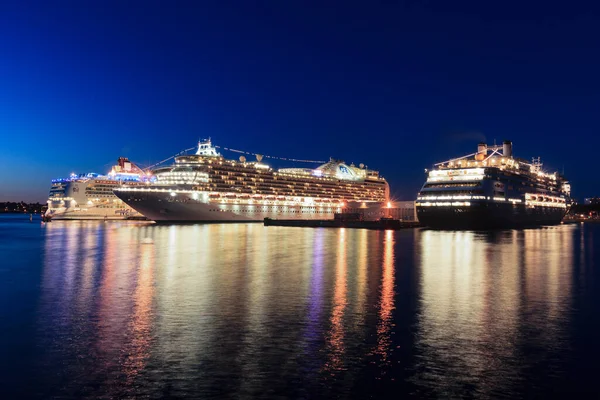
x: 492, y: 189
x: 206, y: 187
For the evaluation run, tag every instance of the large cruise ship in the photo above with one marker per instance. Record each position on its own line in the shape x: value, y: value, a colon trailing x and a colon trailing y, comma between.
x: 90, y: 196
x: 206, y: 187
x: 492, y: 189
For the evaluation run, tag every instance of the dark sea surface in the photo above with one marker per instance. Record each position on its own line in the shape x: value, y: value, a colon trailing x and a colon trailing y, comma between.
x: 137, y: 310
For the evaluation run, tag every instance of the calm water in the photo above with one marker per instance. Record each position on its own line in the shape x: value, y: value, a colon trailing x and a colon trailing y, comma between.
x: 113, y: 310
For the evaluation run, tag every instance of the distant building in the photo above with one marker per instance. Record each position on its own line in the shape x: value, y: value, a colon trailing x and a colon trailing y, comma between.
x: 403, y: 210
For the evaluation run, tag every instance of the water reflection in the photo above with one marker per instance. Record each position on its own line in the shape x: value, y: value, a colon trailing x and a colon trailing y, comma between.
x: 487, y: 300
x: 211, y: 309
x: 386, y: 304
x: 141, y: 323
x: 143, y: 310
x: 336, y: 334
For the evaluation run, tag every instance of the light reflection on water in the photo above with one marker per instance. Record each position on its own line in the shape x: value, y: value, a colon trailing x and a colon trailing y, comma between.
x: 487, y: 300
x: 386, y: 304
x: 134, y: 310
x: 335, y: 348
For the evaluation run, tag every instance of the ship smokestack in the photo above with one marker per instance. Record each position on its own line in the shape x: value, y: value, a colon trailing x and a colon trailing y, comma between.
x: 482, y: 148
x: 507, y: 148
x: 481, y: 152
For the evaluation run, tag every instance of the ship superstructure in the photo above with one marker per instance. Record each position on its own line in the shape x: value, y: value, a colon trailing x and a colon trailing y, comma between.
x: 207, y: 187
x: 491, y: 188
x: 91, y: 196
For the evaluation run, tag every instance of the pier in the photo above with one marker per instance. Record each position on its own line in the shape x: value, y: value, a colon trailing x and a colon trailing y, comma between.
x: 382, y: 224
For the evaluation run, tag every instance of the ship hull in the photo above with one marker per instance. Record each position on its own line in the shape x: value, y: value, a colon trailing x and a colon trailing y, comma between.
x: 184, y: 207
x: 489, y: 216
x: 90, y: 213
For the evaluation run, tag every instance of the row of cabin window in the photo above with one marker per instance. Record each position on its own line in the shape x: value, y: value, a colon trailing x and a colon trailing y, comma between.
x: 289, y: 211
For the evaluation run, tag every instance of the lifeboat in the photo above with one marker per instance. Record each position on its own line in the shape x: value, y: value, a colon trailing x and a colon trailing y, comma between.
x: 270, y: 197
x: 214, y: 195
x: 257, y: 196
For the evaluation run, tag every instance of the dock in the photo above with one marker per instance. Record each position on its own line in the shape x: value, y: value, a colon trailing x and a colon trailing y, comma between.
x: 382, y: 224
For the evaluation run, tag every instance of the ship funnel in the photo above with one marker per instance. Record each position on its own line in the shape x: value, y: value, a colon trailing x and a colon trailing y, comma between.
x: 259, y: 157
x: 507, y: 148
x: 481, y: 152
x: 482, y: 148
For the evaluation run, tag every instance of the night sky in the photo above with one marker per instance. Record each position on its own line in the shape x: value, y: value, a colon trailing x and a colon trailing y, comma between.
x: 397, y: 86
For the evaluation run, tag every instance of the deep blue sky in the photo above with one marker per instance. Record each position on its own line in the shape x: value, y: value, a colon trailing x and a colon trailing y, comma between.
x: 397, y: 86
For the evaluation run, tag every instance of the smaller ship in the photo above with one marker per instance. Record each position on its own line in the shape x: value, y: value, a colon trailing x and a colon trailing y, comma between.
x: 492, y: 189
x: 90, y: 196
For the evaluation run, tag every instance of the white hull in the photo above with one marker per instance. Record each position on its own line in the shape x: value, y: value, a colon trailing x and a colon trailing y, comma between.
x: 195, y: 207
x: 91, y: 213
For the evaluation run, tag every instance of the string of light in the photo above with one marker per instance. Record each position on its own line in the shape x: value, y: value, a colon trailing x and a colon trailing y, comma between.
x: 272, y: 157
x: 167, y: 159
x: 240, y: 152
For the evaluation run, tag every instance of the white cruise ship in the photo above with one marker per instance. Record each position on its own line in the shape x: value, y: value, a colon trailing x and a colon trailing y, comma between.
x: 90, y: 196
x: 206, y: 187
